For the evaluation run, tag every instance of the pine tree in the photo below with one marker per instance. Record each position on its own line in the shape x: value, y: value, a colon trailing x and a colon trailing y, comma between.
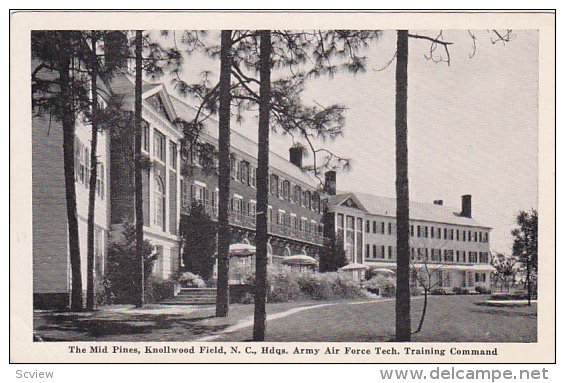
x: 262, y: 234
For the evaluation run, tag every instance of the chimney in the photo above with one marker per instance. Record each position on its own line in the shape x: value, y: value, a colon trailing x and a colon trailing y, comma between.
x: 330, y: 186
x: 296, y: 155
x: 116, y: 50
x: 466, y: 205
x: 438, y: 202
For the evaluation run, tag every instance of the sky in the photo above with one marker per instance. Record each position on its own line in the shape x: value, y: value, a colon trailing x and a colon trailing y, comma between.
x: 472, y: 125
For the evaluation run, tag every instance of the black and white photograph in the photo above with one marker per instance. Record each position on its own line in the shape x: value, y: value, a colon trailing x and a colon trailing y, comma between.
x: 320, y: 187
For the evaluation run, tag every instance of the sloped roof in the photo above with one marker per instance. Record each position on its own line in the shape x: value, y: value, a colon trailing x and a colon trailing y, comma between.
x: 386, y: 206
x: 244, y: 144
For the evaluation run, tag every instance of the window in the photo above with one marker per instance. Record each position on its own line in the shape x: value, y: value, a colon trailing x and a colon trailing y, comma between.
x: 359, y: 244
x: 411, y: 230
x: 390, y: 252
x: 463, y: 256
x: 486, y: 236
x: 253, y: 176
x: 447, y: 279
x: 184, y: 194
x: 145, y: 137
x: 374, y: 251
x: 198, y: 193
x: 436, y: 255
x: 457, y: 236
x: 383, y: 251
x: 390, y: 228
x: 374, y: 227
x: 340, y: 227
x: 274, y: 185
x: 439, y: 232
x: 280, y: 217
x: 448, y: 255
x: 368, y: 226
x: 100, y: 180
x: 159, y: 145
x: 232, y: 166
x: 382, y: 227
x: 483, y: 257
x: 480, y: 277
x: 237, y: 208
x: 296, y: 194
x: 472, y: 257
x: 451, y: 234
x: 444, y: 233
x: 432, y: 231
x: 82, y: 163
x: 173, y: 150
x: 316, y: 203
x: 419, y: 229
x: 367, y: 251
x: 238, y: 176
x: 425, y: 232
x: 306, y: 199
x: 286, y: 190
x: 252, y: 209
x: 244, y: 176
x: 350, y: 237
x: 159, y: 203
x: 464, y: 236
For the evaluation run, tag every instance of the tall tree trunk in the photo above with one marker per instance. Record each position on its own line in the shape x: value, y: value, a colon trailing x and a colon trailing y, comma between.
x: 222, y: 297
x: 402, y: 199
x: 138, y: 122
x: 262, y: 235
x: 68, y: 121
x: 90, y: 298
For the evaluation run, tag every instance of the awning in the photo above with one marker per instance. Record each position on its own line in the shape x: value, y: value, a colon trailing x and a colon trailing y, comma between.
x: 382, y: 270
x: 354, y: 266
x: 299, y: 259
x: 242, y: 249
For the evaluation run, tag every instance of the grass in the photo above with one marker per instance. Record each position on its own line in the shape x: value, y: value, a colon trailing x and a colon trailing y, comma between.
x: 449, y: 319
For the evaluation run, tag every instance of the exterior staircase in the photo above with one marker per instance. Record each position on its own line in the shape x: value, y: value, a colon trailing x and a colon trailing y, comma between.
x: 193, y: 296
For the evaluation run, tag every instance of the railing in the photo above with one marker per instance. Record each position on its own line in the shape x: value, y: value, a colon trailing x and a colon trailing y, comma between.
x: 246, y: 221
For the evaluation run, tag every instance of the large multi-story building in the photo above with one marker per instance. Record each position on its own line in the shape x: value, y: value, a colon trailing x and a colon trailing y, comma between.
x: 300, y: 213
x: 295, y: 204
x: 446, y: 245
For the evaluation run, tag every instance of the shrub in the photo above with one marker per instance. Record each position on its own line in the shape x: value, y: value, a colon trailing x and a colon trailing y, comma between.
x: 517, y: 295
x: 121, y: 284
x: 380, y: 284
x: 482, y: 290
x: 285, y: 285
x: 212, y: 282
x: 460, y: 290
x: 438, y: 291
x: 188, y: 279
x: 158, y: 289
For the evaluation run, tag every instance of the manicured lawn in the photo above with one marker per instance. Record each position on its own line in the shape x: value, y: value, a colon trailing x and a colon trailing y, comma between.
x: 152, y: 323
x: 449, y: 319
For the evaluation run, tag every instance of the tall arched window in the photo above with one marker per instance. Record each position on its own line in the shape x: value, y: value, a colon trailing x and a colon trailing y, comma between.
x: 159, y: 197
